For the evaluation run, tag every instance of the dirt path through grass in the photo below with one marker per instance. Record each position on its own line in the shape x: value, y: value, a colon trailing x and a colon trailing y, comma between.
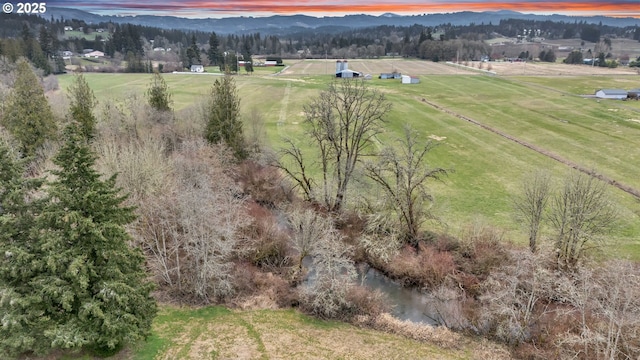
x: 285, y: 101
x: 554, y: 156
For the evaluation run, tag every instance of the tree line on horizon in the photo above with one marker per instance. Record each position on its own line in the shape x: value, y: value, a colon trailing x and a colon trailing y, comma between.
x: 42, y: 40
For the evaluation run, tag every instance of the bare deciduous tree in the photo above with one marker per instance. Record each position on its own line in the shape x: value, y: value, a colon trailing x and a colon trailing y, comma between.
x: 255, y: 130
x: 531, y: 204
x: 402, y: 174
x: 342, y: 123
x: 190, y: 230
x: 335, y: 274
x: 309, y: 229
x: 210, y: 215
x: 580, y: 214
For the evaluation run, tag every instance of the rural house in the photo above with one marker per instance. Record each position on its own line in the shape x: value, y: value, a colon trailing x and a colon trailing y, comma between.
x: 197, y: 68
x: 94, y: 54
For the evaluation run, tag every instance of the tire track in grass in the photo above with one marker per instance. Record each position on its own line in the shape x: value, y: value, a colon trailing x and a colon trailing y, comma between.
x: 549, y: 154
x: 364, y: 65
x: 304, y: 71
x: 251, y: 331
x: 285, y: 102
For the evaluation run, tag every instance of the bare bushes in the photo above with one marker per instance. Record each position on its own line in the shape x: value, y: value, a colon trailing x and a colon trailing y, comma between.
x: 190, y: 230
x: 211, y: 215
x: 426, y: 267
x: 380, y: 240
x: 266, y: 243
x: 326, y: 295
x: 266, y: 185
x: 132, y: 118
x: 190, y: 122
x: 50, y: 83
x: 606, y: 305
x: 542, y: 312
x: 438, y: 335
x: 259, y: 289
x: 515, y: 297
x: 481, y: 249
x: 141, y: 164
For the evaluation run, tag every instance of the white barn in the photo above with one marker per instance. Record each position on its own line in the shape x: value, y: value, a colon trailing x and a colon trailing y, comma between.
x: 343, y: 71
x: 617, y: 94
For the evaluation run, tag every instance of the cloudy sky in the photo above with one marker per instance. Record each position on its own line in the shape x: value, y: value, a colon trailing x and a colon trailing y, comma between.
x: 226, y: 8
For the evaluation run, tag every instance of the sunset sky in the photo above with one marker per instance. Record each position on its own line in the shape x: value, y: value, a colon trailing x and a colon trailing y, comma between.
x: 319, y: 8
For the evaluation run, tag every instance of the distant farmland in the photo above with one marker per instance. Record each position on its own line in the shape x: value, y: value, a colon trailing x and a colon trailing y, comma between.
x: 543, y: 111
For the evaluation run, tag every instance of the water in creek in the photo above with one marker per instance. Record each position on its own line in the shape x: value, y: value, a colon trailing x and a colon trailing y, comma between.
x: 407, y: 304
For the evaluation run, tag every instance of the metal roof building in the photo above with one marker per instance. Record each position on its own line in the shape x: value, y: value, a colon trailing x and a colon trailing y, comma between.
x: 611, y: 94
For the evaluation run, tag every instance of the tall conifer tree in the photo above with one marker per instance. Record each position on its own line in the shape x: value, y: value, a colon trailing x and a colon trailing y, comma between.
x: 223, y: 117
x: 92, y: 276
x: 23, y: 309
x: 82, y: 103
x: 28, y: 116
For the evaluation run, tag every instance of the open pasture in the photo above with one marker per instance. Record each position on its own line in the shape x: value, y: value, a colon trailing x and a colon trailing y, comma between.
x: 534, y: 68
x: 376, y: 67
x: 421, y: 67
x: 487, y: 168
x: 584, y: 85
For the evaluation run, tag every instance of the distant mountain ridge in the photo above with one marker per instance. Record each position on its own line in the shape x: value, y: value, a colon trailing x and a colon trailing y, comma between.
x: 283, y: 24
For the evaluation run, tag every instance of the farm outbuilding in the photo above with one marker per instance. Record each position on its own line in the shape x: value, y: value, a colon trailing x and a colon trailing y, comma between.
x: 393, y: 75
x: 406, y: 79
x: 633, y: 94
x: 343, y: 71
x: 618, y: 94
x: 348, y: 74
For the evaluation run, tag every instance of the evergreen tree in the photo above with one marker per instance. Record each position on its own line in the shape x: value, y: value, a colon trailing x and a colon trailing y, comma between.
x: 134, y: 63
x: 193, y: 53
x: 28, y: 116
x: 82, y: 104
x: 214, y: 53
x: 92, y: 278
x: 158, y: 94
x: 248, y: 62
x: 23, y: 308
x: 223, y: 116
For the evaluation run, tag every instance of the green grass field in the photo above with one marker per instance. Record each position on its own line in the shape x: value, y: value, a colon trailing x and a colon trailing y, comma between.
x: 487, y: 169
x: 80, y: 35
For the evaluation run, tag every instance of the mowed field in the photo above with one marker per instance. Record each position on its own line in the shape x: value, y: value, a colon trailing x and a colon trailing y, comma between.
x: 219, y: 333
x: 487, y: 167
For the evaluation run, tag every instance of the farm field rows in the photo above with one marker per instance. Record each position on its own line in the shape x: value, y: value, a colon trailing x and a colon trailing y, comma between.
x: 487, y: 169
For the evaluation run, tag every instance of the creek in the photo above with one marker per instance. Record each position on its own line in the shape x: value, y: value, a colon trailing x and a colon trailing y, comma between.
x: 406, y: 303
